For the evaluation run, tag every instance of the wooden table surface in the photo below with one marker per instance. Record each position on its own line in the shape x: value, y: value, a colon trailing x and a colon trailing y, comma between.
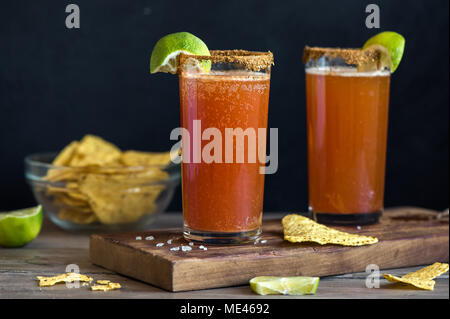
x: 54, y: 249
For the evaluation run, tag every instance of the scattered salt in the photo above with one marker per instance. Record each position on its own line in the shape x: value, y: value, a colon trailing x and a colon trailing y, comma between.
x: 191, y: 244
x: 159, y: 244
x: 149, y: 238
x: 358, y: 227
x: 186, y: 248
x: 263, y: 241
x: 202, y: 247
x: 138, y: 238
x: 175, y: 248
x: 169, y: 241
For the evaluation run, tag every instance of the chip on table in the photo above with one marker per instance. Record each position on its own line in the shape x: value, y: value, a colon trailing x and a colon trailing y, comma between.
x: 106, y: 287
x: 422, y: 278
x: 102, y: 284
x: 68, y: 277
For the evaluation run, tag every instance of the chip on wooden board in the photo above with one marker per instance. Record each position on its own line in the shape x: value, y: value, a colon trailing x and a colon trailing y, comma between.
x: 298, y: 229
x: 422, y: 278
x: 68, y: 277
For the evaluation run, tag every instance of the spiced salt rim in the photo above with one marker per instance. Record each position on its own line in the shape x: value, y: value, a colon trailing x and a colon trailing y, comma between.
x: 357, y: 57
x: 250, y: 60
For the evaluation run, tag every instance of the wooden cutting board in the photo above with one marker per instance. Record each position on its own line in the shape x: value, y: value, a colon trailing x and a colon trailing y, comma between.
x: 407, y: 237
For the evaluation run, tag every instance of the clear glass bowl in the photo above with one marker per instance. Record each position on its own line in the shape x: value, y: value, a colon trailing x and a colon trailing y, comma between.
x: 101, y: 199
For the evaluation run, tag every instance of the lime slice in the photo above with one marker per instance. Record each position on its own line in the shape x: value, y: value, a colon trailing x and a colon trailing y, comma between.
x: 270, y: 285
x: 167, y: 49
x: 19, y: 227
x: 385, y: 61
x: 394, y: 44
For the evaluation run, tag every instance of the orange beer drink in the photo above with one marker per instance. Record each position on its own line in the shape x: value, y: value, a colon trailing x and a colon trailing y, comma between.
x: 223, y: 201
x: 347, y: 120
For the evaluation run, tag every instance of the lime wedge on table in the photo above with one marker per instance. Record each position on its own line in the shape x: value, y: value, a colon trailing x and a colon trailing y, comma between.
x: 270, y: 285
x: 394, y: 44
x: 19, y: 227
x: 166, y: 50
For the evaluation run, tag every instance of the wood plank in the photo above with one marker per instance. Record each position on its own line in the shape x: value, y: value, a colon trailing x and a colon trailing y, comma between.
x: 54, y: 249
x: 21, y: 284
x: 408, y: 237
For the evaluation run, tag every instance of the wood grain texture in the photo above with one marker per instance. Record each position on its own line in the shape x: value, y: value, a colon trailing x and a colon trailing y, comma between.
x: 408, y: 237
x: 54, y: 249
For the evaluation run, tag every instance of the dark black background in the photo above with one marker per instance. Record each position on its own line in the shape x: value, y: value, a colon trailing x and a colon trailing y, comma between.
x: 58, y: 84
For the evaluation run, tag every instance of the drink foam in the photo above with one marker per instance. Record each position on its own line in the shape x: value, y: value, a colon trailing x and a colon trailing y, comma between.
x: 231, y: 75
x: 345, y: 71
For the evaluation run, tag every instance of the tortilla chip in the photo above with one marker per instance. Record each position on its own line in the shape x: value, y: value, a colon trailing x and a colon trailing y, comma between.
x: 56, y: 189
x: 120, y: 199
x: 69, y: 277
x: 298, y: 229
x: 66, y: 155
x: 146, y: 159
x: 95, y: 151
x: 62, y: 174
x: 64, y: 199
x: 422, y: 278
x: 77, y: 216
x: 103, y: 282
x: 76, y: 195
x: 108, y: 287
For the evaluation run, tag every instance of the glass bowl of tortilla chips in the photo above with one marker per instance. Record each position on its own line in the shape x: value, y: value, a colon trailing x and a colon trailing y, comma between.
x: 92, y: 185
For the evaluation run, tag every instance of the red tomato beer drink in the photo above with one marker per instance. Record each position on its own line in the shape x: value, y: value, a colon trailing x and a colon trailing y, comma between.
x: 223, y: 200
x: 347, y: 119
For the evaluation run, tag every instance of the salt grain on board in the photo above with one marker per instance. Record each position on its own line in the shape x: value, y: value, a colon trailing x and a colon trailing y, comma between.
x: 175, y: 248
x: 186, y: 248
x: 138, y: 238
x: 159, y: 244
x: 191, y: 244
x: 169, y: 241
x: 263, y: 241
x: 149, y: 238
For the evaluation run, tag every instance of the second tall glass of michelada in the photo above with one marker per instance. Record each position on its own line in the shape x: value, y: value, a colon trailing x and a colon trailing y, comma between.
x: 347, y: 102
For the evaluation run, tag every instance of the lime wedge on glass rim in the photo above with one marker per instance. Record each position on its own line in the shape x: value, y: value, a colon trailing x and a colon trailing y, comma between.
x: 168, y: 48
x: 271, y: 285
x: 391, y: 45
x: 18, y: 228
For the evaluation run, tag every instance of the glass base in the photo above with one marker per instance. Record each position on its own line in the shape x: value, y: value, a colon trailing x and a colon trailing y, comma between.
x: 347, y: 219
x: 214, y: 238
